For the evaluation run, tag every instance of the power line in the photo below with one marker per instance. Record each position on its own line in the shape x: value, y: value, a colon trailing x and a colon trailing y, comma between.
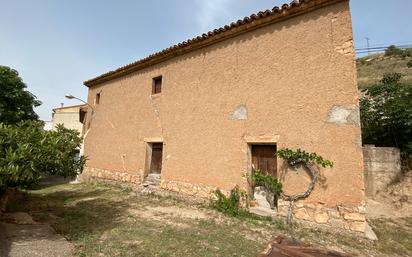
x: 392, y: 43
x: 369, y: 50
x: 384, y: 47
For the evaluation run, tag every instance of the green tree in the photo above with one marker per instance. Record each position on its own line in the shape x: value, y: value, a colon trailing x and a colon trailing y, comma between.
x: 393, y: 51
x: 16, y: 103
x: 386, y: 114
x: 27, y: 152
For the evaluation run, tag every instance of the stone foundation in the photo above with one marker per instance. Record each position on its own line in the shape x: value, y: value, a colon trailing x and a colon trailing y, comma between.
x: 203, y: 191
x: 90, y: 173
x: 350, y: 218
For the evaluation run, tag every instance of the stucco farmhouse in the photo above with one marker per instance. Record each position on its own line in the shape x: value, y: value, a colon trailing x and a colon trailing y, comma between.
x: 201, y: 114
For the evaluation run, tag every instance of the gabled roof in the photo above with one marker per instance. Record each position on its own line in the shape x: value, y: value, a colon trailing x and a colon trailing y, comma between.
x: 79, y: 106
x: 252, y: 22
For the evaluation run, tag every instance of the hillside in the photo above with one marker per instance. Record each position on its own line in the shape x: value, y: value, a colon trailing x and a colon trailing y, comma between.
x: 371, y: 68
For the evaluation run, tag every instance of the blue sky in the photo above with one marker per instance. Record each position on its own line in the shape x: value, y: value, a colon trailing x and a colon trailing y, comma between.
x: 56, y: 45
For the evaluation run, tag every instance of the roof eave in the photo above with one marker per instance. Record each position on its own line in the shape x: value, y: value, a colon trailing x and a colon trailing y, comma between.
x: 253, y: 22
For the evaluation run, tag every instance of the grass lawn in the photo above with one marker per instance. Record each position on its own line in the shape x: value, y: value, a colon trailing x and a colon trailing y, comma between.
x: 110, y: 221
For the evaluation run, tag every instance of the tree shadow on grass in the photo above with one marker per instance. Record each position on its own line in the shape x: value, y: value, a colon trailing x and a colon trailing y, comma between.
x: 78, y: 213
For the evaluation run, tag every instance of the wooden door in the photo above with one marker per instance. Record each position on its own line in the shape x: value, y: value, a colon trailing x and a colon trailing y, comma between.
x: 156, y: 162
x: 264, y: 159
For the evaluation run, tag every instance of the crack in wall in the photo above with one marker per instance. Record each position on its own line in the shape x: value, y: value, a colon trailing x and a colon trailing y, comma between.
x: 157, y: 114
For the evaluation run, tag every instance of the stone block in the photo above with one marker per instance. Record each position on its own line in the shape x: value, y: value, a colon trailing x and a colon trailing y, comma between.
x: 321, y: 217
x: 311, y: 206
x: 299, y: 204
x: 302, y: 214
x: 334, y: 214
x: 354, y: 216
x: 283, y: 210
x: 358, y: 226
x: 362, y: 209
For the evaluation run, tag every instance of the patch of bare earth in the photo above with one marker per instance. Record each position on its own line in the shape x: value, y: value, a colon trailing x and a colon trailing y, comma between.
x: 393, y: 202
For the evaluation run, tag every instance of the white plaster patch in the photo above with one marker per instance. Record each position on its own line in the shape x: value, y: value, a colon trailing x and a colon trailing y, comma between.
x: 260, y: 197
x: 344, y: 115
x: 240, y: 113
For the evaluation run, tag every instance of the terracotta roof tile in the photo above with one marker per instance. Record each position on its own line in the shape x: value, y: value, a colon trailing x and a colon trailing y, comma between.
x: 246, y: 24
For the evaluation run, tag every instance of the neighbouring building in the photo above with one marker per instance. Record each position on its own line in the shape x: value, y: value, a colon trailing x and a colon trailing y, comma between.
x: 48, y: 125
x: 70, y: 117
x: 200, y: 114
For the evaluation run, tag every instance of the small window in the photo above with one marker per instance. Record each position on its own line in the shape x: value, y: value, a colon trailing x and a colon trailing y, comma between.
x: 157, y: 85
x: 97, y: 100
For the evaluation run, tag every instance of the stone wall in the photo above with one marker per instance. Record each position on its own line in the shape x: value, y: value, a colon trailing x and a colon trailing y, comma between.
x: 90, y: 173
x: 346, y: 217
x: 202, y: 191
x: 382, y: 166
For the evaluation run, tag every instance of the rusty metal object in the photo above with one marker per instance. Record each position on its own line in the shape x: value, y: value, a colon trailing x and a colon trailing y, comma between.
x: 282, y: 247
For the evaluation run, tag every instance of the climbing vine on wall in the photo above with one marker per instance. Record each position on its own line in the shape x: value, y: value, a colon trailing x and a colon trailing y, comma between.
x: 308, y: 161
x: 267, y: 181
x: 293, y: 155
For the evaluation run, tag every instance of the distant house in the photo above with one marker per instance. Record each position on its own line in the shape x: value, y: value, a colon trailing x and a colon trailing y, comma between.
x: 201, y: 114
x: 69, y: 116
x: 48, y: 125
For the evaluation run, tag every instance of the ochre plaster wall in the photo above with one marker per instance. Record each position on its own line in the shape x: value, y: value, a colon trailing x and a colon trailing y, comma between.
x: 297, y: 80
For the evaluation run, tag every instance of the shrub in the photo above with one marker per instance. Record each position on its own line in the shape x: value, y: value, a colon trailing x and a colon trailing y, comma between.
x: 406, y: 53
x: 393, y: 51
x: 386, y: 114
x: 267, y: 181
x: 229, y: 205
x: 27, y: 152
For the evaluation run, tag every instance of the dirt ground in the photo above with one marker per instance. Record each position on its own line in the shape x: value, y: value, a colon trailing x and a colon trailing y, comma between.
x: 99, y: 220
x: 394, y: 201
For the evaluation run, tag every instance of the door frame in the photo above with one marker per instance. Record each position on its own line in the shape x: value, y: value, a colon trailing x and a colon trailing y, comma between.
x: 148, y: 160
x: 259, y: 140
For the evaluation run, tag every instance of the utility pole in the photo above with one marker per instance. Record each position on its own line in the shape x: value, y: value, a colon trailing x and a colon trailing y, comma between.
x: 367, y: 44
